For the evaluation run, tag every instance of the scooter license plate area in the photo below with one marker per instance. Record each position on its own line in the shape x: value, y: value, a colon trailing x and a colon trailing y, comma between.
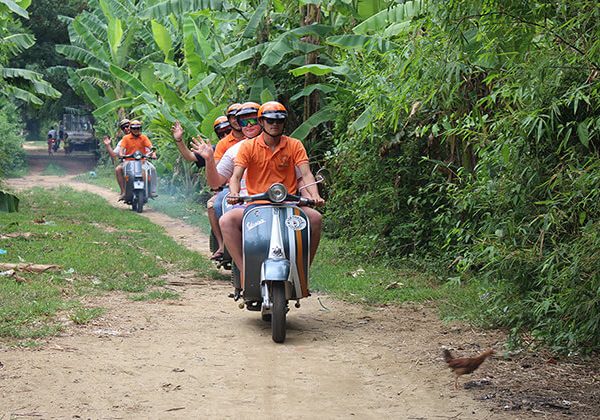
x: 138, y: 185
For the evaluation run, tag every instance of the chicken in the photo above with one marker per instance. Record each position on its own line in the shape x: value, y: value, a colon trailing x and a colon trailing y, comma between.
x: 464, y: 365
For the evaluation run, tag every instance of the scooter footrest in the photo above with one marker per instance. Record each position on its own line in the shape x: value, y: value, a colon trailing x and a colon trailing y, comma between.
x: 253, y: 305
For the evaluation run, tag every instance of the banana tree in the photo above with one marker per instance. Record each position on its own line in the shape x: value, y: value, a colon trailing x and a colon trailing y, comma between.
x: 25, y: 85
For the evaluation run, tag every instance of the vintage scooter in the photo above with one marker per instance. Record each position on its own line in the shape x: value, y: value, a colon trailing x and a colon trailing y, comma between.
x: 137, y: 180
x: 276, y: 251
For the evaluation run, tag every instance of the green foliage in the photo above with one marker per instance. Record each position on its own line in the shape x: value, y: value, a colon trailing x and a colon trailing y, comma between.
x: 156, y: 295
x: 12, y: 156
x: 82, y: 315
x: 98, y: 247
x: 480, y: 149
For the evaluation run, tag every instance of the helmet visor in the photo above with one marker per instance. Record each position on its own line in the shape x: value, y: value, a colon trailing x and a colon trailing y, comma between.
x: 275, y: 115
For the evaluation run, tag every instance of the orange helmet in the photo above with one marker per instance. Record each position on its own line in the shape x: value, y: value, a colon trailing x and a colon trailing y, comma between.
x: 272, y: 109
x: 221, y: 123
x: 232, y: 109
x: 247, y: 108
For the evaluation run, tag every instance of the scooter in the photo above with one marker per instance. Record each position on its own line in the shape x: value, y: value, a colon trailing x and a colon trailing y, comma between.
x: 276, y: 251
x: 137, y: 180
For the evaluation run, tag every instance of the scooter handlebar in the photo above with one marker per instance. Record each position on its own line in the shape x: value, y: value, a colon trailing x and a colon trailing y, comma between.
x: 149, y: 157
x: 303, y: 201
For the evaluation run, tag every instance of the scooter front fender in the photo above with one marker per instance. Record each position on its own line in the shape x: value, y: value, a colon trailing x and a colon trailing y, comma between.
x: 275, y: 270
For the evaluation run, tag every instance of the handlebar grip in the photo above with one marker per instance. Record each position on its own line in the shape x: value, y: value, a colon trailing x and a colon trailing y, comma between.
x: 307, y: 201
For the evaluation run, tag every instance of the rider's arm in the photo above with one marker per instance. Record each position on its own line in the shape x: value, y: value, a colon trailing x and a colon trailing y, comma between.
x: 309, y: 179
x: 109, y: 149
x: 185, y: 152
x: 234, y: 181
x: 213, y: 174
x: 148, y: 146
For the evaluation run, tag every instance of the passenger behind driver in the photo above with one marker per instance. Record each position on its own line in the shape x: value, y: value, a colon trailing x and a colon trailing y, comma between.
x: 114, y: 153
x: 228, y: 135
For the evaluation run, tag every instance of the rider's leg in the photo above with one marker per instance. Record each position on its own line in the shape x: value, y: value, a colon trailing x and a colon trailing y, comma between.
x: 315, y: 219
x: 231, y: 228
x: 153, y: 179
x: 120, y: 178
x: 214, y: 223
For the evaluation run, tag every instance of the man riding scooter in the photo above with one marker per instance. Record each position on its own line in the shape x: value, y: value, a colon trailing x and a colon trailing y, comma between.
x: 136, y: 141
x: 269, y: 158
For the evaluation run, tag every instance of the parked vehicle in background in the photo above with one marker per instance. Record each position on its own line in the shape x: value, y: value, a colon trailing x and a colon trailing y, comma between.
x: 77, y: 125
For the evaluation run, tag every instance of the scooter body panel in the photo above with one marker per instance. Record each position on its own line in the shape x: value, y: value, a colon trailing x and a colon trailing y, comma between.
x: 136, y: 178
x: 262, y: 248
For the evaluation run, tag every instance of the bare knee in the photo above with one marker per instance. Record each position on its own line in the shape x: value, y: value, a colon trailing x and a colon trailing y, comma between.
x: 231, y: 220
x: 315, y: 218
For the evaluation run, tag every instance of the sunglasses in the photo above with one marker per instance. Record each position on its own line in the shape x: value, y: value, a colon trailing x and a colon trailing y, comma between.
x: 274, y: 121
x: 248, y: 121
x: 221, y: 134
x: 124, y: 126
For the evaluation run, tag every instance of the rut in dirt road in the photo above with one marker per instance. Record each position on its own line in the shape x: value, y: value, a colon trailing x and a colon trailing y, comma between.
x: 204, y: 357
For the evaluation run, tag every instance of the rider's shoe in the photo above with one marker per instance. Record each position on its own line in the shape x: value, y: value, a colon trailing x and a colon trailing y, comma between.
x: 236, y: 295
x: 121, y: 197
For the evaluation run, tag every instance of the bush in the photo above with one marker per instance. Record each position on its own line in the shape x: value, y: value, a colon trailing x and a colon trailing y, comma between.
x: 12, y: 155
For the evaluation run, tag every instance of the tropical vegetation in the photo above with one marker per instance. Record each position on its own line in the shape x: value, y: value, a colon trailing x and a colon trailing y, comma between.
x: 459, y: 136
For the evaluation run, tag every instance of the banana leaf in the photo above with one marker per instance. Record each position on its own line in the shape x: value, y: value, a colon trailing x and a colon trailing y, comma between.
x: 399, y: 13
x: 15, y: 8
x: 326, y: 114
x: 255, y: 20
x: 179, y: 7
x: 8, y: 202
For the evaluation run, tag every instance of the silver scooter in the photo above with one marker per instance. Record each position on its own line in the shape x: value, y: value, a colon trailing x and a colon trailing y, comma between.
x: 276, y: 251
x: 137, y: 180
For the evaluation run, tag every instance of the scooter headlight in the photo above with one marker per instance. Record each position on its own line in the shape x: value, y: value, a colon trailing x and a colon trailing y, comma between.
x: 277, y: 193
x: 137, y: 155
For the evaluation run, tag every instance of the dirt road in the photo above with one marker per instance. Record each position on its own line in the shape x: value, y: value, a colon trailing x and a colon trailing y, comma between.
x: 203, y: 357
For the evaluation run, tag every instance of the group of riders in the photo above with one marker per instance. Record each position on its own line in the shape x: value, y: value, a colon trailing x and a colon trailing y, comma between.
x: 252, y: 154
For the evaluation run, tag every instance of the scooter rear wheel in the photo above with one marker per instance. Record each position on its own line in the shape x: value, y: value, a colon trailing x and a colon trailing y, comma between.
x: 278, y: 326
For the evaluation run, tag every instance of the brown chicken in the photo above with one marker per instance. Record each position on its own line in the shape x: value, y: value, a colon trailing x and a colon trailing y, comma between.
x: 464, y: 365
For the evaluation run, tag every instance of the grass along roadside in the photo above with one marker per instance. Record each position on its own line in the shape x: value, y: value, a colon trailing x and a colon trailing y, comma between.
x: 99, y: 249
x: 174, y: 205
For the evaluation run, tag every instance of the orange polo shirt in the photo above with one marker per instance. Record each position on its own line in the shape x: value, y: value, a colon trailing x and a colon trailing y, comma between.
x: 131, y: 144
x: 224, y: 144
x: 265, y: 167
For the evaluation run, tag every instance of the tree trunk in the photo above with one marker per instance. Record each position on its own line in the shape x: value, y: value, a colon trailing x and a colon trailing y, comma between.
x: 312, y: 14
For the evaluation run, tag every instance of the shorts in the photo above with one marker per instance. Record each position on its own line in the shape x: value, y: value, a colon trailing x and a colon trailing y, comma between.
x: 218, y: 201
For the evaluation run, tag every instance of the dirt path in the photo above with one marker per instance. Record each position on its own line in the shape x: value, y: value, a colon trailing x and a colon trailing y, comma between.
x: 202, y: 357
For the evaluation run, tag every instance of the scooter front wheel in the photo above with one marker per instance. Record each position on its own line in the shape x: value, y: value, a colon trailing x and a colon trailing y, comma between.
x: 279, y: 311
x: 139, y: 200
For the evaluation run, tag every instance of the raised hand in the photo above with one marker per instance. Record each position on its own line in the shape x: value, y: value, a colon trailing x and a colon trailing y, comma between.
x: 177, y: 131
x: 202, y: 147
x: 106, y: 140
